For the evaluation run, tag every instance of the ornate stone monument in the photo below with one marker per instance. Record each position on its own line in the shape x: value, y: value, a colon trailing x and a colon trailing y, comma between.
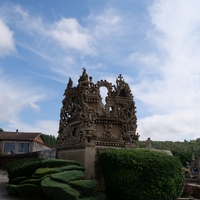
x: 87, y: 125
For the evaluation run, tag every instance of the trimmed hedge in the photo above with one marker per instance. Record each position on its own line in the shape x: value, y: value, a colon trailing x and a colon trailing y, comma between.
x: 72, y: 167
x: 98, y: 196
x: 85, y: 187
x: 12, y: 189
x: 56, y: 179
x: 23, y: 167
x: 40, y: 172
x: 58, y: 163
x: 88, y: 198
x: 18, y: 180
x: 27, y: 166
x: 141, y: 174
x: 58, y: 191
x: 67, y: 176
x: 33, y: 181
x: 24, y: 190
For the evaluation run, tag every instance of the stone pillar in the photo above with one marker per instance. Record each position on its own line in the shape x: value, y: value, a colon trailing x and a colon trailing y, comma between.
x: 90, y: 153
x: 85, y: 156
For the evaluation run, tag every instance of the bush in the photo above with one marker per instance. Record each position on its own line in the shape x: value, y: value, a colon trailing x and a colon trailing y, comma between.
x: 72, y: 167
x: 47, y: 171
x: 141, y: 174
x: 18, y: 180
x: 41, y: 178
x: 33, y: 181
x: 68, y: 176
x: 40, y: 172
x: 24, y: 190
x: 58, y: 163
x: 98, y: 196
x: 88, y: 198
x: 58, y: 191
x: 85, y: 187
x: 12, y: 189
x: 29, y: 190
x: 184, y: 155
x: 23, y: 167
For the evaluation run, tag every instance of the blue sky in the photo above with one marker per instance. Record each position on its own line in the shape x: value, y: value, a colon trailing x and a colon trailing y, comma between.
x: 154, y: 44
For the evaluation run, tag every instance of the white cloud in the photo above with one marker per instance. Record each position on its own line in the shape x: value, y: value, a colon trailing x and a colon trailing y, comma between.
x: 175, y: 126
x: 28, y: 23
x: 70, y: 34
x: 57, y: 42
x: 7, y: 44
x: 69, y: 38
x: 141, y: 59
x: 48, y: 127
x: 169, y: 76
x: 174, y: 93
x: 106, y: 24
x: 15, y: 96
x: 109, y: 28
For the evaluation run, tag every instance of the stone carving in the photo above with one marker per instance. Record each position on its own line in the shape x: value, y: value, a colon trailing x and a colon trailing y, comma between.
x: 149, y: 143
x: 84, y: 119
x: 108, y: 130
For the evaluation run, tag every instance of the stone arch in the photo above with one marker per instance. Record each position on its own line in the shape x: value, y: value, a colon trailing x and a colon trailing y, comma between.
x: 104, y: 83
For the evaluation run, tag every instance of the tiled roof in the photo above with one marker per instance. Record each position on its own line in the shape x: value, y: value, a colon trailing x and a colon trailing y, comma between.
x: 25, y: 136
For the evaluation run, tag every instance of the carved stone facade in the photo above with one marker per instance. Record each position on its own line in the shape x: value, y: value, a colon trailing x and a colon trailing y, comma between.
x: 87, y: 126
x: 86, y: 121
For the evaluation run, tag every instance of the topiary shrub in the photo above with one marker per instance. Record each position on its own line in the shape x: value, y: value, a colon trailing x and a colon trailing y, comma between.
x: 47, y: 171
x: 58, y: 163
x: 98, y: 196
x: 18, y: 180
x: 72, y: 167
x: 88, y: 198
x: 58, y: 191
x: 85, y: 187
x: 29, y: 190
x: 24, y: 190
x: 33, y: 181
x: 68, y: 176
x: 12, y: 189
x: 141, y: 174
x: 23, y: 167
x: 40, y: 172
x: 52, y: 182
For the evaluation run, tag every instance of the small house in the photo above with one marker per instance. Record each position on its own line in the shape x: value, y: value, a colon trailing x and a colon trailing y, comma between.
x: 21, y: 142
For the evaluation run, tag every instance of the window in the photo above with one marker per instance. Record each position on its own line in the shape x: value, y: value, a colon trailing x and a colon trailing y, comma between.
x: 22, y: 147
x: 9, y: 147
x: 16, y: 147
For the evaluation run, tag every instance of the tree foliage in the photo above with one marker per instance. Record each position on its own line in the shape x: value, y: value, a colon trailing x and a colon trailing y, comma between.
x: 49, y: 140
x: 181, y: 150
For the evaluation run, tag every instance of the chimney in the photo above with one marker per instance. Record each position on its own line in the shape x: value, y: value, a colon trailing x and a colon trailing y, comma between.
x: 16, y: 130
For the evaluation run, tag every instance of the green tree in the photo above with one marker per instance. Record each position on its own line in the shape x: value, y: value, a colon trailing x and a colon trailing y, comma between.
x: 49, y: 140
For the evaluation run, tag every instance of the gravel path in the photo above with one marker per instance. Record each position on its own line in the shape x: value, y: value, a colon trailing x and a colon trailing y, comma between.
x: 3, y: 192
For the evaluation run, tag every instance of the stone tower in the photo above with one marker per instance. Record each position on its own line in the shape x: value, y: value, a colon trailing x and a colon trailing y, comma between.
x: 87, y: 125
